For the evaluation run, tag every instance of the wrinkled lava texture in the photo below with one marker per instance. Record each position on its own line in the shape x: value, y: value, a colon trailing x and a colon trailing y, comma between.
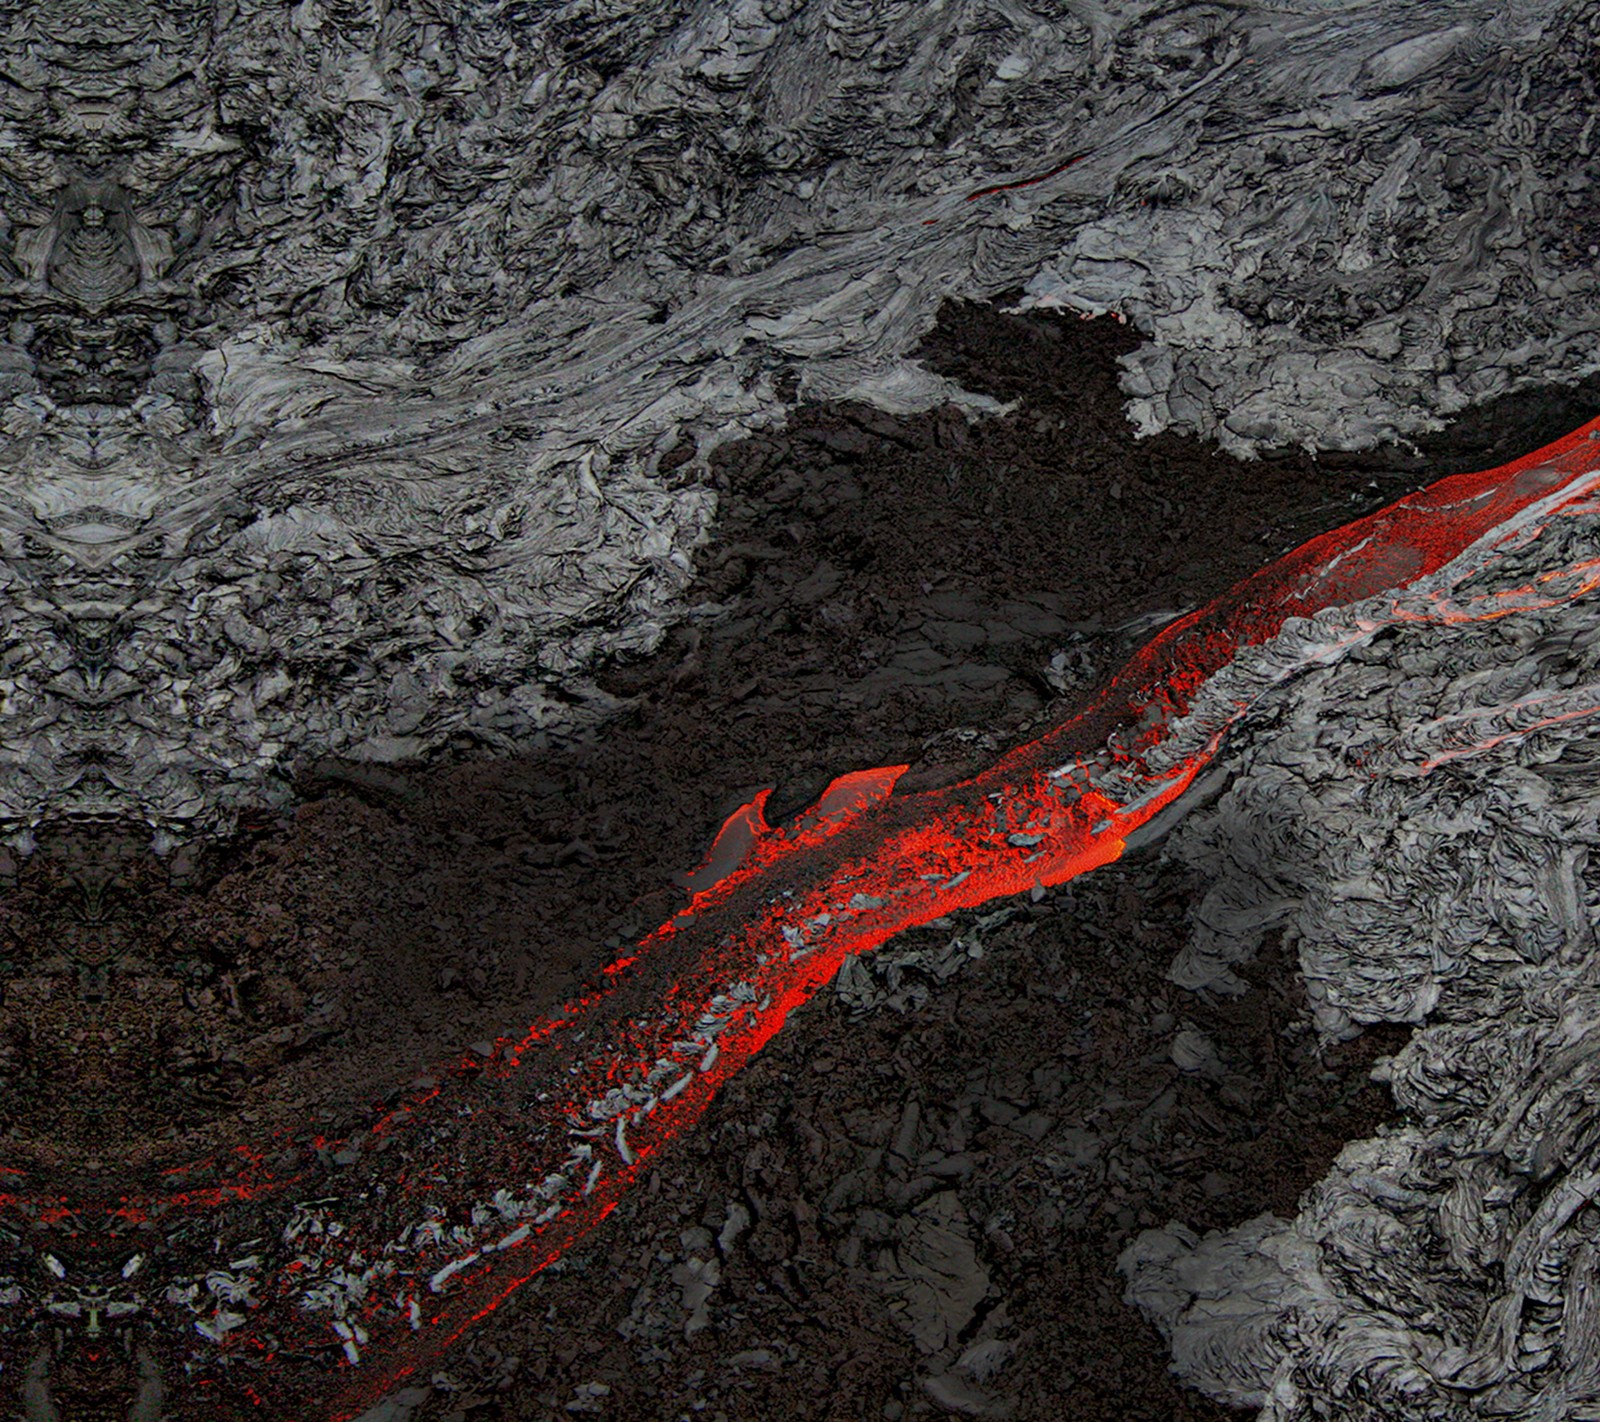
x: 892, y: 591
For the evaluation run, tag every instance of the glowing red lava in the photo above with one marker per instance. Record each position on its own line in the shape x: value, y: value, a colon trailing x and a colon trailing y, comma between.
x: 564, y: 1119
x: 1045, y: 177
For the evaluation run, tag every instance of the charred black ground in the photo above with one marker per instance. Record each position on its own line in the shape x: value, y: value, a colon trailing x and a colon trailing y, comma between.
x: 890, y: 590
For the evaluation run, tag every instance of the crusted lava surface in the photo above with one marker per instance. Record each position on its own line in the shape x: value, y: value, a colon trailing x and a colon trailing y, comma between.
x: 909, y: 1205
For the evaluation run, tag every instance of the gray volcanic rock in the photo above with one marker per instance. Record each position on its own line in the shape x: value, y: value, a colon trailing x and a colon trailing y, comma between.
x: 1323, y: 260
x: 1421, y: 820
x: 344, y: 346
x: 360, y: 367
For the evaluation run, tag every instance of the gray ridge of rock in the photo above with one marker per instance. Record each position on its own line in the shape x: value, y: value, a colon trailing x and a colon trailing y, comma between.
x: 1420, y: 818
x: 342, y: 353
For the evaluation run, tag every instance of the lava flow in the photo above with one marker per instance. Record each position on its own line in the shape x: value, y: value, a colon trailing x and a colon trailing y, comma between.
x: 563, y: 1121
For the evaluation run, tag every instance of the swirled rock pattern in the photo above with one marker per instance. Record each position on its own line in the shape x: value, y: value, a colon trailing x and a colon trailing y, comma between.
x: 358, y: 359
x: 1422, y: 823
x: 361, y: 363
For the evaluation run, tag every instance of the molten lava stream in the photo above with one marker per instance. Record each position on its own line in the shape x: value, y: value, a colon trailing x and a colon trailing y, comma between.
x: 586, y: 1101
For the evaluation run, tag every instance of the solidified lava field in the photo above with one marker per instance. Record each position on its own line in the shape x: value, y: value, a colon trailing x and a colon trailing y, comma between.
x: 912, y: 1203
x: 801, y: 709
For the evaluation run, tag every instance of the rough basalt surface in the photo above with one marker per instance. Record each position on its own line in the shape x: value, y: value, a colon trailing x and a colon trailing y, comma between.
x: 346, y: 345
x: 378, y: 383
x: 1419, y: 822
x: 401, y: 917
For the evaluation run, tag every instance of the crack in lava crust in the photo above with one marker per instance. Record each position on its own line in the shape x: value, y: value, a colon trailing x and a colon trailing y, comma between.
x: 385, y: 1276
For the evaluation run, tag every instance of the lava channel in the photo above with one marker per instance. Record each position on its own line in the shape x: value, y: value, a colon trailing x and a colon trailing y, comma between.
x: 564, y: 1119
